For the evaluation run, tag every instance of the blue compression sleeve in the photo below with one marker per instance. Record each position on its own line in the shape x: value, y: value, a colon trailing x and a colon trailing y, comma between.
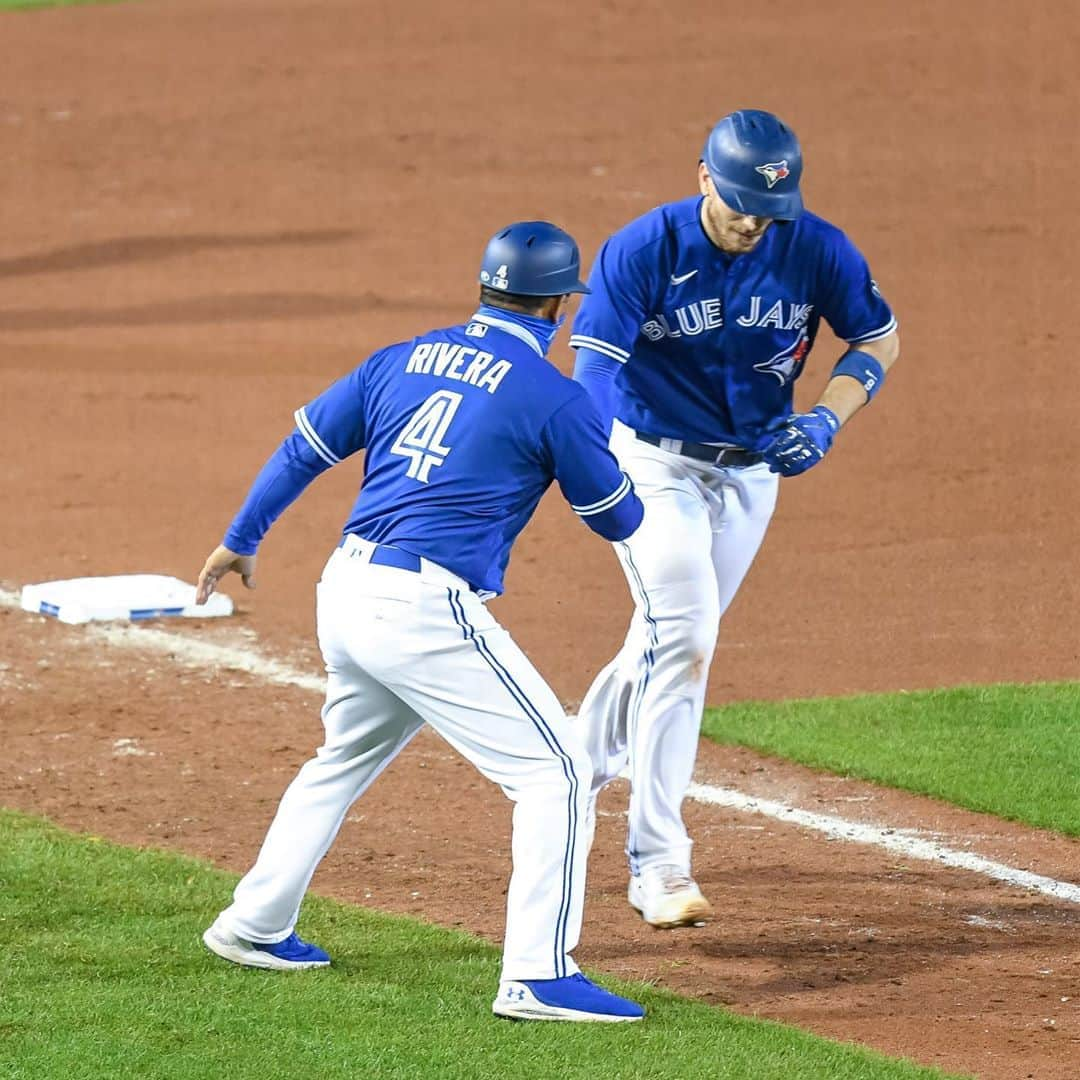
x: 280, y: 482
x: 597, y: 374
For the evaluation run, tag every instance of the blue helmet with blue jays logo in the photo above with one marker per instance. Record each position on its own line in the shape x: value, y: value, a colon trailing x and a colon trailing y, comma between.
x: 755, y: 163
x: 532, y: 258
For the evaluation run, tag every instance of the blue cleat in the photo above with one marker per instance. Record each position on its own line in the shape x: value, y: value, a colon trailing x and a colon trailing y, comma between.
x: 292, y: 954
x: 572, y: 998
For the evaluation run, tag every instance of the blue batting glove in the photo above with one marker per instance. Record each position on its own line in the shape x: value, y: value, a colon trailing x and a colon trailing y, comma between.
x: 803, y: 442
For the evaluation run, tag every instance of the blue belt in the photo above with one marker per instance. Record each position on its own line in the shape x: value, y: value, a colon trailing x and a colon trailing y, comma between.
x: 386, y: 555
x: 732, y: 456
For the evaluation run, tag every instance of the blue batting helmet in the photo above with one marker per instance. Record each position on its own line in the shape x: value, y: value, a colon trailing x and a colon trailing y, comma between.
x: 532, y: 258
x: 755, y: 163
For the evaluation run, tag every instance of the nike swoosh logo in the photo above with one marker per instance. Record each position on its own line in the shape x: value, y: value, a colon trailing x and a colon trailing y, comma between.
x: 682, y: 277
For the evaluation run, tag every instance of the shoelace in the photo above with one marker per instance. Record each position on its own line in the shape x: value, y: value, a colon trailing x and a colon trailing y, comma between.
x: 673, y: 878
x: 597, y: 990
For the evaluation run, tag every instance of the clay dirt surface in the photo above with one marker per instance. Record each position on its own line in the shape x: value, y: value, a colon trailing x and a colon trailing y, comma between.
x: 209, y: 211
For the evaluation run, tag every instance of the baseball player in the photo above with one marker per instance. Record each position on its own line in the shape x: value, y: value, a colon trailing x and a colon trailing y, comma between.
x: 464, y: 429
x: 699, y: 321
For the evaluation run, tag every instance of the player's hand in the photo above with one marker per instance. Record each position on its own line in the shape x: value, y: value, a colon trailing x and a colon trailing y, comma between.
x: 804, y: 441
x: 221, y: 562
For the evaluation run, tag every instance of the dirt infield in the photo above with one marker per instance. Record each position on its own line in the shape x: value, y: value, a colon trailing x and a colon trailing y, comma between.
x: 208, y: 211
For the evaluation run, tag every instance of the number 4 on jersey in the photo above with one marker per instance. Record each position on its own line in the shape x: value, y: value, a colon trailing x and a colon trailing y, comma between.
x: 421, y: 439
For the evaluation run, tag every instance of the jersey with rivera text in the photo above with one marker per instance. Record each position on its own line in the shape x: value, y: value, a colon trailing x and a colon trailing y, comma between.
x: 465, y: 428
x: 710, y: 344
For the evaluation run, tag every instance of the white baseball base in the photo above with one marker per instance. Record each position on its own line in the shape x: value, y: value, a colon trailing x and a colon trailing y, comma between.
x: 122, y: 596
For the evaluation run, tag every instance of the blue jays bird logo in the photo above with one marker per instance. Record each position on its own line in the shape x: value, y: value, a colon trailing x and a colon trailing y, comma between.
x: 787, y: 364
x: 774, y: 171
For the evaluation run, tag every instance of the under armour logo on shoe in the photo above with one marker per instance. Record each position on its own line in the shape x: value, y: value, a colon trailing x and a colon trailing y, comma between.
x: 513, y: 994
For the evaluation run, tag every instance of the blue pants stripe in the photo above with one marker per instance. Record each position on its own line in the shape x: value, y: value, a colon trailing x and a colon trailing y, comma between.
x: 634, y: 712
x: 482, y: 647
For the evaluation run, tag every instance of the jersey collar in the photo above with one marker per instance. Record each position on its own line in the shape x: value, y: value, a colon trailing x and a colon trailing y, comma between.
x: 504, y: 321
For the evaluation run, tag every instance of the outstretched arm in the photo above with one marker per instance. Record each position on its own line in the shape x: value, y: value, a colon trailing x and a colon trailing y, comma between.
x: 328, y: 430
x: 280, y: 483
x: 598, y: 491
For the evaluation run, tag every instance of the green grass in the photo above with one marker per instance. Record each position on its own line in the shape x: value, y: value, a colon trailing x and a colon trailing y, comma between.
x: 104, y: 975
x: 1013, y: 751
x: 18, y: 5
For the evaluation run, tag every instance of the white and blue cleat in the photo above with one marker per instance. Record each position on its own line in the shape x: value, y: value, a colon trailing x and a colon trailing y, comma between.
x: 667, y: 897
x: 573, y: 998
x: 292, y: 954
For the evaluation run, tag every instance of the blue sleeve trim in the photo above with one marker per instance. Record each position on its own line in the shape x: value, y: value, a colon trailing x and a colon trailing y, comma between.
x: 875, y: 335
x: 620, y: 521
x: 613, y: 352
x: 605, y: 504
x: 303, y: 425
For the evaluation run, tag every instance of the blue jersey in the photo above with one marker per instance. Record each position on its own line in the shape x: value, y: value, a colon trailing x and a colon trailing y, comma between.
x: 465, y: 428
x: 711, y: 343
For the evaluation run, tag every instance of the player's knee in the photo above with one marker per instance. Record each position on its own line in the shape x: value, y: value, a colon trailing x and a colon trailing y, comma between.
x: 570, y: 770
x: 697, y: 670
x: 692, y: 633
x: 579, y: 776
x: 684, y: 647
x: 565, y: 774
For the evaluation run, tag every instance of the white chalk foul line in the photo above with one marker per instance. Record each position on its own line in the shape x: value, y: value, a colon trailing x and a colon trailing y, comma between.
x: 193, y: 653
x: 190, y: 652
x: 911, y: 846
x: 204, y: 654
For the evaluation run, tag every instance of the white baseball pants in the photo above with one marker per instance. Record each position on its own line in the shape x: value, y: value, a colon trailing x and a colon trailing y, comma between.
x: 403, y: 647
x: 703, y: 526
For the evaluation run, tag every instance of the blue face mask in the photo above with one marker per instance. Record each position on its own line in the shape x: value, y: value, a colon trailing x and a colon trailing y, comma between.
x: 542, y: 329
x: 556, y: 326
